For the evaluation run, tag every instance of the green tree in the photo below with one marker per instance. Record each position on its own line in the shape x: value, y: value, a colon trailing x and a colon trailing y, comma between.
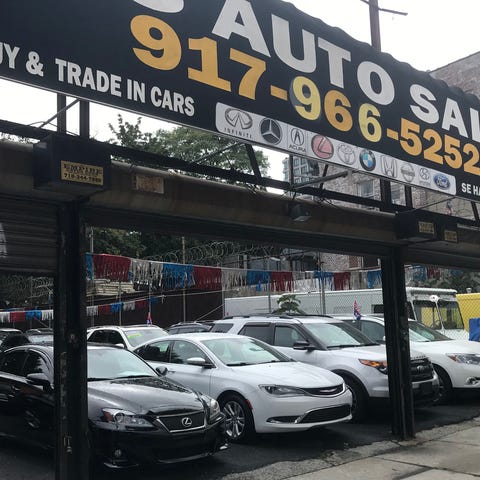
x: 188, y: 144
x: 289, y: 304
x: 185, y: 143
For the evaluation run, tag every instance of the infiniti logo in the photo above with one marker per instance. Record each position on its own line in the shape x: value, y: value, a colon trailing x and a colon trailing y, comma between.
x: 187, y: 422
x: 238, y: 119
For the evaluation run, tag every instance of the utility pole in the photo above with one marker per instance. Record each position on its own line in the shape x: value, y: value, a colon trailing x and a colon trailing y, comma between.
x: 374, y: 9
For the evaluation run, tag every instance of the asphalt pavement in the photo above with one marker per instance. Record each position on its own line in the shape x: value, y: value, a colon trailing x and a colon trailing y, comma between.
x: 348, y: 448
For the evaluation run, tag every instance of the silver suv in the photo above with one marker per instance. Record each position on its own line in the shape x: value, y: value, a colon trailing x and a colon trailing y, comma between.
x: 128, y: 336
x: 341, y: 348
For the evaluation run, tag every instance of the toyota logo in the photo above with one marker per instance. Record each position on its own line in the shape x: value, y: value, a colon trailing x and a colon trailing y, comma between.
x: 187, y: 422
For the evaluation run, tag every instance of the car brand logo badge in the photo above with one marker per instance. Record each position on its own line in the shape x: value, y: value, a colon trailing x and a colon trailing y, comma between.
x: 408, y: 172
x: 346, y: 154
x: 367, y: 160
x: 238, y: 119
x: 187, y: 422
x: 389, y: 166
x: 424, y: 174
x: 441, y: 181
x: 271, y: 131
x: 322, y: 147
x: 297, y: 137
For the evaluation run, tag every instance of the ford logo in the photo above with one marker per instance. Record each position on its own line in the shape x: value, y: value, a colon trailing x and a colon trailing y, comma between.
x: 441, y: 181
x: 187, y: 422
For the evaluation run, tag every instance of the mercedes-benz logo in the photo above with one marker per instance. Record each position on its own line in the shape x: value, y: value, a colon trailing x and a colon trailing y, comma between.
x: 187, y: 422
x: 271, y: 131
x: 238, y: 118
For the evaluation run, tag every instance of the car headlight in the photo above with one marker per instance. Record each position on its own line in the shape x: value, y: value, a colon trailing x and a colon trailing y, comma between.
x: 283, y: 390
x: 469, y: 358
x: 124, y: 419
x: 213, y: 407
x: 380, y: 366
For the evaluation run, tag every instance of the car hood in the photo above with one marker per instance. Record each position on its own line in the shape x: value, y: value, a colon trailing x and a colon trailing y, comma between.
x: 142, y: 395
x: 372, y: 352
x: 448, y: 346
x: 294, y: 374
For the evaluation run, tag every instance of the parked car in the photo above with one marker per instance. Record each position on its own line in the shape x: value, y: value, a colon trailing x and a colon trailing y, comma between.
x: 135, y: 415
x: 258, y: 388
x: 11, y: 337
x: 189, y: 327
x: 38, y: 335
x: 457, y: 362
x: 333, y: 344
x: 129, y: 336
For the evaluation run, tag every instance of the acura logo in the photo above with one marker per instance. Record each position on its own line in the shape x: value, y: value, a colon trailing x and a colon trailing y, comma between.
x: 238, y: 119
x: 187, y: 422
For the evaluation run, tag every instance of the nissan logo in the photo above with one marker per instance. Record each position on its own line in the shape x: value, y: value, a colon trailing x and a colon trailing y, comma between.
x: 187, y: 422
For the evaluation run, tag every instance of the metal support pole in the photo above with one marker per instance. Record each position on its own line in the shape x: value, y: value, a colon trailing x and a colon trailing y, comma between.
x: 385, y: 187
x: 70, y: 348
x: 397, y: 345
x: 61, y: 113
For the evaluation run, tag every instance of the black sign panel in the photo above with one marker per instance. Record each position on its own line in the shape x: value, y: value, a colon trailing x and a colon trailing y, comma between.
x: 256, y: 70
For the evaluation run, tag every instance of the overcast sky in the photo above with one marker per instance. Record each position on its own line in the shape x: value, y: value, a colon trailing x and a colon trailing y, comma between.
x: 433, y: 34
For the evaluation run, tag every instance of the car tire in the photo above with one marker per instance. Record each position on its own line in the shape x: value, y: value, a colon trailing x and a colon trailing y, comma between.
x: 359, y: 399
x: 238, y: 418
x: 445, y: 392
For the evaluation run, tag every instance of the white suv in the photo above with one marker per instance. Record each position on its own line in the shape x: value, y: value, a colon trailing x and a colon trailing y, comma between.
x: 457, y: 362
x: 341, y: 348
x: 128, y: 336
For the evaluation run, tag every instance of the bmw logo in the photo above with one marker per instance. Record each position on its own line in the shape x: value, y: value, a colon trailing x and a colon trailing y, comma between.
x: 441, y: 181
x: 367, y: 160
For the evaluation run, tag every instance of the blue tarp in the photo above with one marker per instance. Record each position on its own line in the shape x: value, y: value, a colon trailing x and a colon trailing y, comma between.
x: 474, y: 327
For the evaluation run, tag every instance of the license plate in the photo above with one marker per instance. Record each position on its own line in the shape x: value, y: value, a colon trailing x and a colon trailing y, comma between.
x: 426, y: 388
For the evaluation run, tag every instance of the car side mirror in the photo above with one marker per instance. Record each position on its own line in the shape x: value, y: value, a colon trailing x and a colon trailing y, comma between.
x: 41, y: 380
x: 303, y: 345
x: 161, y: 370
x: 199, y: 362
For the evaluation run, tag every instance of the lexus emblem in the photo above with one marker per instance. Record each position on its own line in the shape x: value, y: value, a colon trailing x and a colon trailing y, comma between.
x: 187, y: 422
x: 271, y: 131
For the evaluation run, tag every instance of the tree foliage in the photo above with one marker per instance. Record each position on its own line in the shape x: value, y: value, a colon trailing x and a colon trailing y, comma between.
x: 289, y: 304
x: 187, y: 144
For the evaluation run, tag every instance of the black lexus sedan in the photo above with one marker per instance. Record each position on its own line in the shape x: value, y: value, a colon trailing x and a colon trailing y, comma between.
x: 135, y: 415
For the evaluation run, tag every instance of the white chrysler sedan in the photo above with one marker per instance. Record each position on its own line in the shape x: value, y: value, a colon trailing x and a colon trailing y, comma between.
x: 259, y: 389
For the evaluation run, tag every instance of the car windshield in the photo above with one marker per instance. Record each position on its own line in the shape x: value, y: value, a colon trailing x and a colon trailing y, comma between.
x: 338, y: 335
x: 112, y: 363
x: 447, y: 315
x: 141, y: 335
x: 40, y: 338
x: 426, y: 334
x: 243, y: 351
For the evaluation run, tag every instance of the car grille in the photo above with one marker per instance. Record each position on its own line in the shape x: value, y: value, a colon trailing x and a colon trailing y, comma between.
x: 326, y: 414
x: 326, y: 391
x: 183, y: 422
x: 421, y: 369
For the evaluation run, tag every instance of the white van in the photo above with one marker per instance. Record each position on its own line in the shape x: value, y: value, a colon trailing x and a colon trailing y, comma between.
x: 436, y: 308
